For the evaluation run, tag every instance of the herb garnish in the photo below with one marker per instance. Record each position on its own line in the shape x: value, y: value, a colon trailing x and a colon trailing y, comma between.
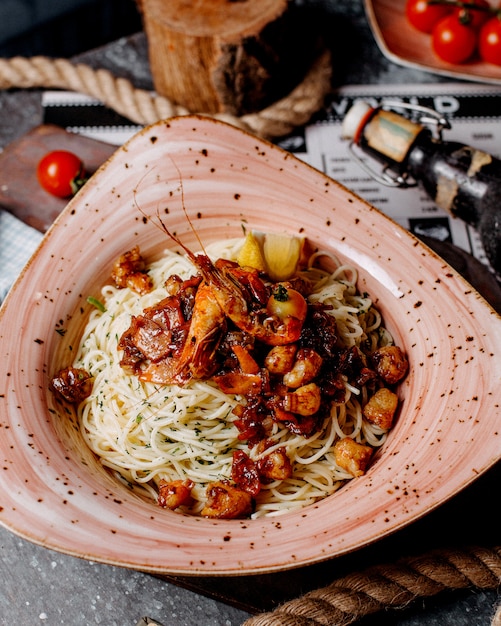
x: 97, y: 303
x: 281, y: 294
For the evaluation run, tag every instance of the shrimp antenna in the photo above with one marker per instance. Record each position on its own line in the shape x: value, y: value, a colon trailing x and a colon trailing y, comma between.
x: 136, y: 203
x: 174, y: 238
x: 161, y: 224
x: 188, y: 219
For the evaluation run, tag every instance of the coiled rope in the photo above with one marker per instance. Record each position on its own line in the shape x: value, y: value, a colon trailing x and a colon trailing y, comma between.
x: 144, y: 107
x: 393, y: 586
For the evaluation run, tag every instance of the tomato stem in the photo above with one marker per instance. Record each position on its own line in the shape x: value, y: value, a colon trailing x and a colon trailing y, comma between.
x: 281, y: 294
x: 79, y: 180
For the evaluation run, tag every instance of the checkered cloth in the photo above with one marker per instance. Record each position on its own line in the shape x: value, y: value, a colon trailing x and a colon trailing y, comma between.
x: 17, y: 243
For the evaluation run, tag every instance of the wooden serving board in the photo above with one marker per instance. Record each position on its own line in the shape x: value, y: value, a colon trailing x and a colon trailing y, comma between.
x: 20, y: 192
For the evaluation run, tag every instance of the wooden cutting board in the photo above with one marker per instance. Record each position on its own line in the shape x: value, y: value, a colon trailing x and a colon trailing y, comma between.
x: 20, y: 192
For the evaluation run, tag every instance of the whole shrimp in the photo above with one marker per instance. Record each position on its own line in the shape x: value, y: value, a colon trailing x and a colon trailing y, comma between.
x: 196, y: 359
x: 273, y: 325
x: 207, y: 326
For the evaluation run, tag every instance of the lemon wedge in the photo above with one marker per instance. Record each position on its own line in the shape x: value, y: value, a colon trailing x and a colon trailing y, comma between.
x: 276, y: 254
x: 281, y: 254
x: 251, y: 254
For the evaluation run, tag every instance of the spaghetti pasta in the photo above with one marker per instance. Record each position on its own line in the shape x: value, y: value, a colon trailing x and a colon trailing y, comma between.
x: 147, y: 433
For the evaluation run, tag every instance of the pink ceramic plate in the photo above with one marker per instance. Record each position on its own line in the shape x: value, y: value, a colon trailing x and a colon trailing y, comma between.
x: 54, y: 492
x: 405, y: 45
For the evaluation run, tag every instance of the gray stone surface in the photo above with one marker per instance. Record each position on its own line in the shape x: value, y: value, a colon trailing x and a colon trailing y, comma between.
x: 43, y: 587
x: 47, y: 588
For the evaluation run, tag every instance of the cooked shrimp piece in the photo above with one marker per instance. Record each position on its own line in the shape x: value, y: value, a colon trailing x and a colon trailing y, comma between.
x: 240, y: 383
x: 304, y: 401
x: 352, y: 456
x: 280, y: 322
x: 306, y: 366
x: 391, y: 364
x: 304, y: 425
x: 195, y: 358
x: 275, y: 465
x: 225, y: 501
x: 246, y: 277
x: 246, y: 361
x: 139, y: 282
x: 381, y: 407
x: 129, y: 271
x: 175, y: 493
x: 280, y: 359
x: 208, y: 323
x: 159, y: 334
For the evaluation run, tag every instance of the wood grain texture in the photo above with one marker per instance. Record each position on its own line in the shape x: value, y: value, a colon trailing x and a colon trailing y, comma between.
x: 226, y: 55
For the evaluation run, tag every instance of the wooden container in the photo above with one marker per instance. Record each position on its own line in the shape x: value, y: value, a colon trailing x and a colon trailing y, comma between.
x: 231, y: 56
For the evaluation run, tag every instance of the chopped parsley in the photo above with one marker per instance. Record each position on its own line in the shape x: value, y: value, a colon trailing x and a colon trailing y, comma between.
x: 97, y: 303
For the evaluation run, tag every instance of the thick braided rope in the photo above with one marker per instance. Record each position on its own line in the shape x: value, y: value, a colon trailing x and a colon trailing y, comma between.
x: 143, y: 107
x: 350, y: 598
x: 497, y: 617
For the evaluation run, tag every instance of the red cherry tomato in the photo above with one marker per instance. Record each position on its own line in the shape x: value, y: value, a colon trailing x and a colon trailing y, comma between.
x: 61, y: 173
x: 424, y: 16
x: 489, y: 42
x: 453, y: 41
x: 474, y: 17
